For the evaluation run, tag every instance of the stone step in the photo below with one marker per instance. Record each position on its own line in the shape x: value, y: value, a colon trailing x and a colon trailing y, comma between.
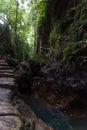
x: 5, y: 68
x: 2, y: 57
x: 8, y: 75
x: 8, y: 109
x: 10, y: 123
x: 3, y: 64
x: 9, y: 115
x: 6, y: 71
x: 7, y: 82
x: 2, y: 61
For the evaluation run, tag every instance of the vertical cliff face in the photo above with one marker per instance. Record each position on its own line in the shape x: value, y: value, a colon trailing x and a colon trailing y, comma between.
x: 65, y: 73
x: 55, y: 10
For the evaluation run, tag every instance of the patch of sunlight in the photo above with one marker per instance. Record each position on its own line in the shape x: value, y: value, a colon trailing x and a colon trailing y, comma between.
x: 1, y: 22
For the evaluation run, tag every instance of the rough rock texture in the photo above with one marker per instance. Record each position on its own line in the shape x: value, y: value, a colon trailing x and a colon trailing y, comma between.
x: 23, y: 76
x: 9, y: 115
x: 12, y: 62
x: 59, y: 87
x: 31, y: 121
x: 6, y: 74
x: 10, y: 118
x: 35, y: 67
x: 6, y: 82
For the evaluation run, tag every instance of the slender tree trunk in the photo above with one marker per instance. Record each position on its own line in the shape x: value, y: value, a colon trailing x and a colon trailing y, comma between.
x: 15, y: 29
x: 16, y: 19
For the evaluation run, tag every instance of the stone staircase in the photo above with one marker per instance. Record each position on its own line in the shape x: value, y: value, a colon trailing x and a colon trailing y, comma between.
x: 9, y: 116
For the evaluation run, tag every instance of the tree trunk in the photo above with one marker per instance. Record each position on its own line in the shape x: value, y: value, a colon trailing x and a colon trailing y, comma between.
x: 15, y: 29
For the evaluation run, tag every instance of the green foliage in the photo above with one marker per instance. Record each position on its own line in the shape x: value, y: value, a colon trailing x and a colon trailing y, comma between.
x: 41, y: 58
x: 55, y: 35
x: 15, y: 43
x: 77, y: 29
x: 75, y: 55
x: 85, y: 36
x: 69, y: 35
x: 70, y: 50
x: 41, y: 11
x: 25, y: 19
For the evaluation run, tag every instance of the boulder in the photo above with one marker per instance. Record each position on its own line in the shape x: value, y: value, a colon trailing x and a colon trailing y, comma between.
x: 35, y: 67
x: 12, y: 62
x: 23, y: 76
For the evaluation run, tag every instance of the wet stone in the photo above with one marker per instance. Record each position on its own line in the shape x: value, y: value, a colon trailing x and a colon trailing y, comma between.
x: 10, y: 123
x: 9, y: 115
x: 2, y: 61
x: 6, y: 82
x: 4, y: 67
x: 6, y: 71
x: 8, y: 110
x: 10, y: 75
x: 4, y: 95
x: 4, y: 92
x: 3, y: 64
